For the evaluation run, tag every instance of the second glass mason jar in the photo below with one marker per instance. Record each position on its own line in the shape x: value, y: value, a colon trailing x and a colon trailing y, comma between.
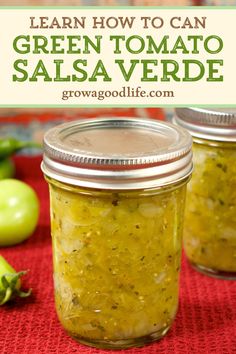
x: 210, y: 220
x: 117, y: 192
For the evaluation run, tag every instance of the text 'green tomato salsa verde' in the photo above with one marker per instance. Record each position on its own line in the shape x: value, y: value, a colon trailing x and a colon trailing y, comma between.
x: 117, y: 191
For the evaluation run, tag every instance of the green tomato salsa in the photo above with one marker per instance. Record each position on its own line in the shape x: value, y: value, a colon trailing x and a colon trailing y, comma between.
x: 210, y: 224
x: 116, y: 261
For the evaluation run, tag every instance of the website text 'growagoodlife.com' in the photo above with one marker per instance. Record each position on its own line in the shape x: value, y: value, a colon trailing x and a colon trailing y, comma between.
x: 126, y: 91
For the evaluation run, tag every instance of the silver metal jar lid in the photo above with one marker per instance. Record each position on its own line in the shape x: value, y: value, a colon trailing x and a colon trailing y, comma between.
x: 117, y: 153
x: 212, y: 124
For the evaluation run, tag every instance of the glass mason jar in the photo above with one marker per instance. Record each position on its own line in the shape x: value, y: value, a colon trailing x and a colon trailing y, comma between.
x: 210, y: 219
x: 117, y: 192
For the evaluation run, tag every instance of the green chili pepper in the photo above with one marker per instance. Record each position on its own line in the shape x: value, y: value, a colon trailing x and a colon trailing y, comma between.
x: 9, y: 146
x: 10, y: 283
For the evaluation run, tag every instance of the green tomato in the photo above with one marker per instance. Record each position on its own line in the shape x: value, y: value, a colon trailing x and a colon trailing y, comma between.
x: 7, y: 168
x: 19, y: 211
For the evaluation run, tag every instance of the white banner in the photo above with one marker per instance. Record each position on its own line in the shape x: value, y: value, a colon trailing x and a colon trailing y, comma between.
x: 117, y: 56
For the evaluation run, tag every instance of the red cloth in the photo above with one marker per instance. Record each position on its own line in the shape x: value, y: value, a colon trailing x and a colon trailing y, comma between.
x: 206, y: 321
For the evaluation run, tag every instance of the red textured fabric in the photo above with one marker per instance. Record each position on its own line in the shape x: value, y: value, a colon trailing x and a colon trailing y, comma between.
x: 206, y: 321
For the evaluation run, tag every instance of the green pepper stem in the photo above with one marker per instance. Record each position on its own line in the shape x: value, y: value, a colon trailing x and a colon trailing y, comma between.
x: 10, y: 287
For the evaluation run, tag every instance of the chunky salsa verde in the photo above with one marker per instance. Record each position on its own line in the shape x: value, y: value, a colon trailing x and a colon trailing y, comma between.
x: 116, y: 261
x: 210, y: 224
